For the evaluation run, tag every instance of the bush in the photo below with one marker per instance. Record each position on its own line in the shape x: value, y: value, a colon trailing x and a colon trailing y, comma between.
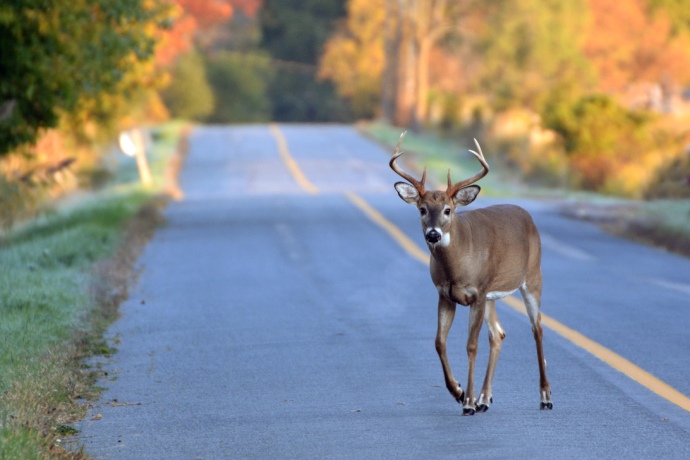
x: 600, y: 138
x: 239, y: 85
x: 189, y: 95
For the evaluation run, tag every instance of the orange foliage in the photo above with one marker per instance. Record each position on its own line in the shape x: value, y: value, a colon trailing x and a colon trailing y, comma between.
x: 628, y: 44
x: 190, y: 15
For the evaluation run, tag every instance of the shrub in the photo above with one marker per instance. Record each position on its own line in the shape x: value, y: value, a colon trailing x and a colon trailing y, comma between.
x: 601, y: 138
x: 189, y: 95
x: 239, y: 85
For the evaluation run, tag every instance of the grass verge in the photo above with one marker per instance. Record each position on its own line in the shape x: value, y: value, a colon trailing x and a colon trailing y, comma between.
x: 63, y: 277
x: 661, y: 223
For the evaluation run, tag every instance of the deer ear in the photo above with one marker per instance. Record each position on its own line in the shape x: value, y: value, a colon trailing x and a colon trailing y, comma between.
x: 466, y: 195
x: 407, y: 192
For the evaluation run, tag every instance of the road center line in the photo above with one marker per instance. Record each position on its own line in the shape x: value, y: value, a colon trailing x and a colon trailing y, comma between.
x: 290, y: 162
x: 614, y: 360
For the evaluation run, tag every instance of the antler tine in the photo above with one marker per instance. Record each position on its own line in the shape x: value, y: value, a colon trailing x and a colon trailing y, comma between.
x: 452, y: 188
x: 418, y: 184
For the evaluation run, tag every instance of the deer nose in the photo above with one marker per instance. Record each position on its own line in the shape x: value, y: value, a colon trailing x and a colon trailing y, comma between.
x: 432, y: 236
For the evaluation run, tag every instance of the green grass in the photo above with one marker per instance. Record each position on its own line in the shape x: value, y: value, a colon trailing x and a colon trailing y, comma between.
x: 46, y: 305
x: 49, y: 317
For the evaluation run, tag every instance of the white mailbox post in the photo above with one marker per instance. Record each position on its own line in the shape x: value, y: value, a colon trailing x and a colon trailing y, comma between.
x: 133, y: 144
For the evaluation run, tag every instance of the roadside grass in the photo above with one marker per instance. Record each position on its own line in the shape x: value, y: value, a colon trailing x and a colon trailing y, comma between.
x: 62, y: 277
x: 661, y: 223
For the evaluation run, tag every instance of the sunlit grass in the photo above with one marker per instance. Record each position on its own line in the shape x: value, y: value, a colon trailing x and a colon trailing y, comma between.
x: 440, y: 154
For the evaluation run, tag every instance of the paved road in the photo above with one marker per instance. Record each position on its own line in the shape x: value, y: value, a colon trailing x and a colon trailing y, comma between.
x: 274, y: 323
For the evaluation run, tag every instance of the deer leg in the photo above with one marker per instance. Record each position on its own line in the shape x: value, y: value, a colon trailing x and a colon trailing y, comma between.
x: 446, y: 313
x: 475, y: 326
x: 531, y: 294
x: 496, y: 336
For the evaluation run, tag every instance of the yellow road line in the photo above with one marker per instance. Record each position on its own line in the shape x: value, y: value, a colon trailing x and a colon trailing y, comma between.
x: 614, y: 360
x: 290, y: 162
x: 397, y: 234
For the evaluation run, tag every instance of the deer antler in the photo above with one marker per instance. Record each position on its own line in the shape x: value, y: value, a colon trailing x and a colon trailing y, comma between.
x: 453, y: 188
x: 418, y: 184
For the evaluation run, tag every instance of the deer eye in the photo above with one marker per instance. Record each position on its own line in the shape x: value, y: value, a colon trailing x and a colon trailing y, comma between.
x: 422, y: 211
x: 446, y: 211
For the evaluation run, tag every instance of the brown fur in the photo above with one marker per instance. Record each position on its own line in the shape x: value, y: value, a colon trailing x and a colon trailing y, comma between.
x: 490, y: 253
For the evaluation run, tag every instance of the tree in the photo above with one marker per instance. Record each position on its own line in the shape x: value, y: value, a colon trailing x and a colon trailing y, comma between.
x: 629, y: 42
x: 531, y: 48
x: 196, y: 21
x: 353, y: 57
x: 189, y: 94
x: 239, y: 86
x: 57, y: 55
x: 411, y: 30
x: 293, y: 33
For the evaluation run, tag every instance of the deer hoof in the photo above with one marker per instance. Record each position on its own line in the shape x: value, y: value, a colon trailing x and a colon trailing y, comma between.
x: 460, y: 398
x: 484, y: 403
x: 546, y: 406
x: 468, y: 411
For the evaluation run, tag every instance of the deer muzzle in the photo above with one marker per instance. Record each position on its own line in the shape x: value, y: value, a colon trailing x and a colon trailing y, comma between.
x: 433, y: 236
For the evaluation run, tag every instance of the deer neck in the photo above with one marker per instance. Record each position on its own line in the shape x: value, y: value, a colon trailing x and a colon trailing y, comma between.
x: 452, y: 255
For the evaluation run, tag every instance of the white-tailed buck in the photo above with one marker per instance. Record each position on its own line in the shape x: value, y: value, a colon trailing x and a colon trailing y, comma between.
x: 477, y: 257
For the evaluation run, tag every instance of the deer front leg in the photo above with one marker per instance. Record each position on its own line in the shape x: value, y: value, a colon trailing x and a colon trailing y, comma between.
x: 475, y: 326
x: 446, y: 313
x: 496, y: 336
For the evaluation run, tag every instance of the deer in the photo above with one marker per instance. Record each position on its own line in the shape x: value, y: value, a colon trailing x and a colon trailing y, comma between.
x: 477, y: 257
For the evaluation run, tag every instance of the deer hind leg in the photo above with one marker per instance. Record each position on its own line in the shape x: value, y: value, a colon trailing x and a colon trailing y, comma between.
x: 475, y: 326
x: 446, y: 313
x: 531, y: 294
x: 496, y: 336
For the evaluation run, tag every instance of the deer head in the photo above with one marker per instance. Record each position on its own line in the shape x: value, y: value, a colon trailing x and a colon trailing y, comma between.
x: 437, y: 208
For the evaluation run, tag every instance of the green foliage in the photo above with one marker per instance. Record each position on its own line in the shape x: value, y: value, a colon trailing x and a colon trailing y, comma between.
x: 532, y: 48
x: 239, y: 84
x: 189, y: 95
x: 57, y: 55
x: 297, y: 97
x: 295, y: 30
x: 595, y: 124
x: 599, y: 136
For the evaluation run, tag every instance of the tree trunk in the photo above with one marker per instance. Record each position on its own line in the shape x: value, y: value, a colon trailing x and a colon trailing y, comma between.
x: 393, y: 35
x: 407, y: 69
x: 422, y: 108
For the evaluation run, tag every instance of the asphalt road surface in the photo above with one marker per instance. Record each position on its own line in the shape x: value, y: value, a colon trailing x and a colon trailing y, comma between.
x: 274, y: 319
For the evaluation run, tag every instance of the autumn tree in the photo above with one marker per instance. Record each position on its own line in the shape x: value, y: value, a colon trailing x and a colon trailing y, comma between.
x: 195, y: 21
x: 353, y: 57
x: 57, y: 58
x: 531, y: 49
x: 413, y: 28
x: 629, y: 41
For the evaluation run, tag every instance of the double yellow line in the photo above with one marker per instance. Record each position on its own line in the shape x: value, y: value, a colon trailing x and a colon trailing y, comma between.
x: 614, y: 360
